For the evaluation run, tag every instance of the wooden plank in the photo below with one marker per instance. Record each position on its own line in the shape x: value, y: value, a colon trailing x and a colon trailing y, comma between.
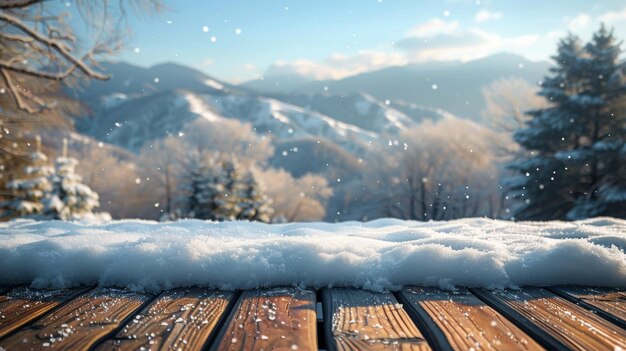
x: 606, y: 302
x: 23, y: 305
x: 181, y: 318
x: 79, y: 323
x: 463, y: 322
x: 276, y: 319
x: 362, y: 320
x: 572, y: 326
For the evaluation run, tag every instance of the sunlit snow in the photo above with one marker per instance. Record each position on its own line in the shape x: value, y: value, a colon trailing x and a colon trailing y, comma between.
x: 382, y: 254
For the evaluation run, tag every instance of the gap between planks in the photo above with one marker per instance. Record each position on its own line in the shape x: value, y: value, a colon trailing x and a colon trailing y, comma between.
x: 22, y: 306
x: 79, y: 323
x: 458, y: 320
x: 555, y: 322
x: 609, y: 304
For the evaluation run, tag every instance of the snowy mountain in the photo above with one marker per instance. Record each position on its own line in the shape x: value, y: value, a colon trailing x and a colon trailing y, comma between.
x: 452, y: 86
x: 363, y: 110
x: 139, y: 105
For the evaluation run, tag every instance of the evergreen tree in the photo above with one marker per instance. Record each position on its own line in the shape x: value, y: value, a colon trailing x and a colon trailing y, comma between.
x: 222, y: 192
x: 605, y: 194
x: 254, y: 205
x: 29, y: 193
x: 69, y: 198
x: 203, y: 186
x: 572, y: 145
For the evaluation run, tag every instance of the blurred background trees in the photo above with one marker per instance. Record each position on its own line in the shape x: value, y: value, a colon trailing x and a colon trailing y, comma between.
x: 556, y: 150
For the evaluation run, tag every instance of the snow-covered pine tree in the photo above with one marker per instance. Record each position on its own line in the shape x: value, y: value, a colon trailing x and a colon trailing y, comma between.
x: 229, y: 200
x: 600, y: 157
x: 29, y: 193
x: 220, y: 191
x: 202, y: 186
x: 564, y: 168
x: 255, y: 205
x: 69, y: 198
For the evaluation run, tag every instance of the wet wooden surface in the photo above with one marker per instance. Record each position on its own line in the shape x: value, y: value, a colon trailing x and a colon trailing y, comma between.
x: 78, y: 324
x: 415, y: 318
x: 181, y: 318
x: 463, y: 322
x: 573, y: 326
x: 610, y: 303
x: 21, y: 305
x: 364, y: 320
x: 276, y: 319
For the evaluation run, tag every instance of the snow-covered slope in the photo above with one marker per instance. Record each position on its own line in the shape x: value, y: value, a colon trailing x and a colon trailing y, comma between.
x: 459, y: 84
x: 141, y: 105
x: 136, y: 122
x: 361, y: 110
x: 286, y: 121
x: 383, y: 254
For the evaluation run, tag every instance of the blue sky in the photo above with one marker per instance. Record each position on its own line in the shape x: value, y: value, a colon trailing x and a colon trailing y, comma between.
x: 238, y: 40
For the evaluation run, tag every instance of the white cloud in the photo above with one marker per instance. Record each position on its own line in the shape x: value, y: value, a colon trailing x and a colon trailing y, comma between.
x: 250, y: 67
x: 614, y: 17
x: 432, y: 27
x: 585, y: 24
x: 446, y: 40
x: 437, y: 40
x: 579, y: 23
x: 338, y: 66
x: 485, y: 15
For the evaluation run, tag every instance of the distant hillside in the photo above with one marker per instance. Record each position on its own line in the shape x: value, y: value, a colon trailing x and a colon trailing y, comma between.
x: 451, y: 86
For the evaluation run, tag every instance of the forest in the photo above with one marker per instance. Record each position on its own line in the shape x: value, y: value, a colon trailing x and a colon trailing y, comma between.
x: 552, y: 150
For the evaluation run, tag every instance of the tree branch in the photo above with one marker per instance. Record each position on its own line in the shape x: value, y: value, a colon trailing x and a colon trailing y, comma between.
x: 11, y: 4
x: 56, y: 45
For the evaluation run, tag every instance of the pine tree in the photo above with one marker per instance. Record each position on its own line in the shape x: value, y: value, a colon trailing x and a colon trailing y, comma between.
x: 203, y: 187
x: 30, y: 193
x: 254, y: 205
x: 220, y: 191
x: 605, y: 134
x: 569, y: 143
x: 69, y: 198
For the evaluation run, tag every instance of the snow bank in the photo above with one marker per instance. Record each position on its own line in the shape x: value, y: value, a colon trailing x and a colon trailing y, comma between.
x: 382, y: 254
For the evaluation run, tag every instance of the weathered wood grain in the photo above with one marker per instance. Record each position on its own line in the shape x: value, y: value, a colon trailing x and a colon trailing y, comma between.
x: 362, y: 320
x: 276, y: 319
x: 574, y: 327
x: 464, y: 322
x: 23, y: 305
x: 177, y: 319
x: 608, y: 303
x: 79, y: 323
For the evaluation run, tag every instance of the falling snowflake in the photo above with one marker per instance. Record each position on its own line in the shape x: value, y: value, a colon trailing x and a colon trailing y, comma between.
x: 205, y: 29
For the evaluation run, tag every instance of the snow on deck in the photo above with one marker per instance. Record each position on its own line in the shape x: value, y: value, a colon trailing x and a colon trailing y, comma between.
x: 377, y: 255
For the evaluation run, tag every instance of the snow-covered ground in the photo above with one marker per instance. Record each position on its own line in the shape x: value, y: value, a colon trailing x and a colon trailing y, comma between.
x: 382, y: 254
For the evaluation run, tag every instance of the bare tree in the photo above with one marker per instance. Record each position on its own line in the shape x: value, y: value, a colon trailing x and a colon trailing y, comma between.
x: 448, y: 169
x: 296, y: 199
x: 507, y: 101
x: 40, y: 45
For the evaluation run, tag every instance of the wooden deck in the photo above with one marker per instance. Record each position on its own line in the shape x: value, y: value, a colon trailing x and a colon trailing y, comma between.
x: 89, y: 318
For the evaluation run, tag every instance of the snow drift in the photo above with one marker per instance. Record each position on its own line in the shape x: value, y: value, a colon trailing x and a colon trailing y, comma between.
x: 382, y: 254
